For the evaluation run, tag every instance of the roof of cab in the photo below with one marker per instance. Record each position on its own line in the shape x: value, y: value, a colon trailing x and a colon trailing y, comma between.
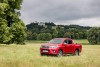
x: 63, y: 38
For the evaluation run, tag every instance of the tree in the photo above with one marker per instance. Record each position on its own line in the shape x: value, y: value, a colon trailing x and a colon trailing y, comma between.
x: 18, y: 31
x: 61, y: 31
x: 5, y: 35
x: 55, y: 33
x: 44, y: 36
x: 67, y: 35
x: 4, y: 29
x: 31, y: 36
x: 75, y: 33
x: 94, y: 35
x: 3, y: 7
x: 10, y: 22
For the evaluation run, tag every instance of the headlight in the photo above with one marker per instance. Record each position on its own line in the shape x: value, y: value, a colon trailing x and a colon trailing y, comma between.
x: 53, y: 46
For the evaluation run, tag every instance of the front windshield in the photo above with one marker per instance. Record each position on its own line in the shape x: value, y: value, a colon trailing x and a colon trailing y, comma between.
x: 56, y: 41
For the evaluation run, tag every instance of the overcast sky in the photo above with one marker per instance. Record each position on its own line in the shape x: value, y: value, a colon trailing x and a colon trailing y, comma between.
x: 80, y: 12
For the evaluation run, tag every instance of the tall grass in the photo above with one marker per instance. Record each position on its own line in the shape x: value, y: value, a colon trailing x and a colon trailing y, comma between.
x: 28, y: 56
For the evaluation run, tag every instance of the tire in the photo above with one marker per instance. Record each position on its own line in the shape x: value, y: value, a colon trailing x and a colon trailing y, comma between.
x: 42, y: 54
x: 60, y: 53
x: 76, y: 53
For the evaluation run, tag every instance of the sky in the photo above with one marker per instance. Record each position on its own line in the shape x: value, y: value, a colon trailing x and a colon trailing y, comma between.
x: 64, y: 12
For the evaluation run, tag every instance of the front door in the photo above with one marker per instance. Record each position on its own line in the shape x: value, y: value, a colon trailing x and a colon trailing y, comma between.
x: 68, y: 46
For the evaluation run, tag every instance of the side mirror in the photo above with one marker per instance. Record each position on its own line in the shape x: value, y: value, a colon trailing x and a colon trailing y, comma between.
x: 64, y: 43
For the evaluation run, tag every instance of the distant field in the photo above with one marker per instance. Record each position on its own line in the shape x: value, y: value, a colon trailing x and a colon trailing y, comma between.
x: 35, y: 41
x: 28, y: 56
x: 82, y: 41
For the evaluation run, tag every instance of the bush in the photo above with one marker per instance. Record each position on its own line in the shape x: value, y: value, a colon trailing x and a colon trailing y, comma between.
x: 44, y: 36
x: 93, y: 35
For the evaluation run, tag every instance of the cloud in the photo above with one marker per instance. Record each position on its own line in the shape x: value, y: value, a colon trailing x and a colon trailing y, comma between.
x: 84, y: 22
x: 61, y: 11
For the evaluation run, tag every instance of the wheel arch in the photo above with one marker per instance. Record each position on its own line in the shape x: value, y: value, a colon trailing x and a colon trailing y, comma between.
x: 77, y: 49
x: 61, y: 50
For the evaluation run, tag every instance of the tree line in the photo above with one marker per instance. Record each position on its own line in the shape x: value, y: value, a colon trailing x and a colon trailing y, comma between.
x: 51, y: 30
x: 47, y: 31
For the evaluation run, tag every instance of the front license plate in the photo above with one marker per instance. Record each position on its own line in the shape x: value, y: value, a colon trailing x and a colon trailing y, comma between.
x: 45, y: 50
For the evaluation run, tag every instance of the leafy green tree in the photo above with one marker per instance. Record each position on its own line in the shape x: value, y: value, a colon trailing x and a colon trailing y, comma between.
x: 55, y: 33
x: 10, y: 22
x: 44, y: 36
x: 3, y: 7
x: 5, y: 35
x: 18, y: 31
x: 31, y: 36
x: 94, y: 35
x: 67, y: 35
x: 75, y: 33
x: 61, y: 31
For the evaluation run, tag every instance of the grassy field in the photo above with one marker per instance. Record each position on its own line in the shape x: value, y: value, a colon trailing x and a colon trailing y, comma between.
x: 82, y: 41
x: 28, y: 56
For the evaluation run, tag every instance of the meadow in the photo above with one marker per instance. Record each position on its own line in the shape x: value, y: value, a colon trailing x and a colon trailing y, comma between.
x: 28, y: 56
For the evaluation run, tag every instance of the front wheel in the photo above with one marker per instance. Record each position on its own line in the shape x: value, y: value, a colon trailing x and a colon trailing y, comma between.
x: 60, y: 53
x: 42, y: 54
x: 76, y: 53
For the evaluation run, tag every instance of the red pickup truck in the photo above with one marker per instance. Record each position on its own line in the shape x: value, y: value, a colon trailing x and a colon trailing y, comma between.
x: 60, y: 46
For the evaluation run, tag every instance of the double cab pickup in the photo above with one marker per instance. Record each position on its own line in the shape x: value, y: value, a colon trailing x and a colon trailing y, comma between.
x: 60, y: 46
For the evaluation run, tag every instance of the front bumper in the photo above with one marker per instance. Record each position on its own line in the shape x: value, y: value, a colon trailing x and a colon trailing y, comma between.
x: 49, y: 51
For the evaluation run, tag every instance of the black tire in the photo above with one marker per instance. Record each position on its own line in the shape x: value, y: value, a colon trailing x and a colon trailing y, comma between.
x: 42, y: 54
x: 76, y: 53
x: 60, y: 53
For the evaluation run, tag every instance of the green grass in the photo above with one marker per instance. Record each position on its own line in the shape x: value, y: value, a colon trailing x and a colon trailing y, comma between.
x: 82, y: 41
x: 28, y: 56
x: 35, y: 41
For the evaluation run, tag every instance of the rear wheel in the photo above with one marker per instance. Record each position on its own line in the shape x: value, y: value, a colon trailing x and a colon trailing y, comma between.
x: 76, y: 53
x: 60, y: 53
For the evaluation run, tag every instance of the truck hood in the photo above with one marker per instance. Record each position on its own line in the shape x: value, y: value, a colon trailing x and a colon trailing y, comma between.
x: 48, y: 44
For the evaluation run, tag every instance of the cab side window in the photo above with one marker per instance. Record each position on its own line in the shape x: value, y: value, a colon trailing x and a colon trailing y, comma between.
x: 66, y: 42
x: 69, y: 41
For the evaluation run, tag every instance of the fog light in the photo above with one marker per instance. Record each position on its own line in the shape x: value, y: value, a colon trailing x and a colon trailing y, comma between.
x: 54, y: 51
